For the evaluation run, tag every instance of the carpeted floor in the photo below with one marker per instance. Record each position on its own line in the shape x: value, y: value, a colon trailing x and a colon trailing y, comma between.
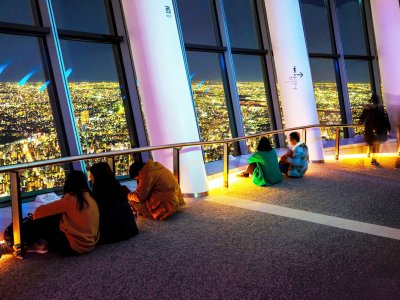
x: 216, y: 251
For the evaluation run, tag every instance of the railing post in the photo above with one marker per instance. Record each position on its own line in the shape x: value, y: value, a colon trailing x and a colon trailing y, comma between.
x: 337, y: 143
x: 16, y: 209
x: 369, y: 151
x: 175, y: 163
x: 111, y: 163
x: 226, y: 165
x: 398, y: 139
x: 304, y: 136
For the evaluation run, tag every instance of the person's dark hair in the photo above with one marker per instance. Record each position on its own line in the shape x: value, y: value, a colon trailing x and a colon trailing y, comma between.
x: 104, y: 180
x: 295, y: 136
x: 76, y: 184
x: 135, y: 168
x: 375, y: 99
x: 264, y: 144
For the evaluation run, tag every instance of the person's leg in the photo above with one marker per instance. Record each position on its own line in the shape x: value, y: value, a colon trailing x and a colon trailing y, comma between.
x: 42, y: 228
x: 141, y: 209
x: 48, y: 229
x: 374, y: 152
x: 284, y: 167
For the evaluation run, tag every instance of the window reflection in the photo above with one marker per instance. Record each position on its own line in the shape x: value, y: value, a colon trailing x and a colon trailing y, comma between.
x: 352, y: 29
x: 359, y: 87
x: 18, y: 11
x: 197, y: 20
x: 210, y: 100
x: 88, y: 16
x: 326, y: 94
x: 97, y: 97
x: 250, y: 72
x: 23, y: 93
x: 242, y: 23
x: 317, y: 29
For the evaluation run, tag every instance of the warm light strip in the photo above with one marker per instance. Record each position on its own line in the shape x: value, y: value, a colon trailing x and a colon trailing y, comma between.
x: 219, y: 181
x: 358, y: 155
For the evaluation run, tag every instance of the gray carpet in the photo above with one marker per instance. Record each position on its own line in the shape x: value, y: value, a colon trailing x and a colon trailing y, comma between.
x: 213, y: 251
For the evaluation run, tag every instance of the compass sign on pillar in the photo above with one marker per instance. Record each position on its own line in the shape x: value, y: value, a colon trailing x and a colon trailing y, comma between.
x: 293, y: 79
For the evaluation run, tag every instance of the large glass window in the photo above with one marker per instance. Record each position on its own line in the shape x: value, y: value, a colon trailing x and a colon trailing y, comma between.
x: 352, y: 29
x: 89, y: 16
x: 25, y: 137
x: 210, y: 100
x: 97, y: 96
x: 198, y: 22
x: 317, y: 27
x: 18, y: 11
x: 359, y: 87
x: 326, y: 94
x: 250, y: 76
x: 241, y: 17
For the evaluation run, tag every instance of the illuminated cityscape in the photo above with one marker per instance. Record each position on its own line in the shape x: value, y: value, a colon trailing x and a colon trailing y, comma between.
x: 26, y: 136
x: 100, y: 117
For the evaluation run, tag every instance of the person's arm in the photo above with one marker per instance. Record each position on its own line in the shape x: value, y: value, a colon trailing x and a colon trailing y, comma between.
x: 53, y: 208
x: 285, y: 156
x: 145, y: 184
x: 296, y: 159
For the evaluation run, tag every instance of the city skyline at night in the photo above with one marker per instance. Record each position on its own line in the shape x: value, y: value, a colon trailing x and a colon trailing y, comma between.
x: 100, y: 118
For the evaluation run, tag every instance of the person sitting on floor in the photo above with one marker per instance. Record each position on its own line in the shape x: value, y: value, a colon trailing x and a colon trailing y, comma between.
x: 69, y: 225
x: 158, y: 194
x: 117, y: 222
x: 294, y: 163
x: 263, y: 165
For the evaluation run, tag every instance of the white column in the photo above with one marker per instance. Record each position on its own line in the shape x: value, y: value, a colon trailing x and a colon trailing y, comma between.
x: 163, y: 87
x: 386, y: 19
x: 293, y: 70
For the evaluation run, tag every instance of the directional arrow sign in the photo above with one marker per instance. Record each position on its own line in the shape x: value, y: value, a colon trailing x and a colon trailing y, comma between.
x: 300, y: 74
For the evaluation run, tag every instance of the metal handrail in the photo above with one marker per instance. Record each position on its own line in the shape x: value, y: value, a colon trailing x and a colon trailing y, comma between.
x: 63, y: 160
x: 14, y: 170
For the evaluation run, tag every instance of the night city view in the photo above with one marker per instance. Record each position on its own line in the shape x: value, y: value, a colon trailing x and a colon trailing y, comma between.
x: 26, y: 136
x: 100, y: 118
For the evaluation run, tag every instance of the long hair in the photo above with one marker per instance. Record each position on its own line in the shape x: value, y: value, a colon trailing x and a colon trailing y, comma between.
x: 264, y: 144
x: 77, y: 184
x: 105, y: 183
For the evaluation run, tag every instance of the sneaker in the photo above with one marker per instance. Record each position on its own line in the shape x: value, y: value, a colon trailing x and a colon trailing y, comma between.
x: 376, y: 164
x: 40, y: 246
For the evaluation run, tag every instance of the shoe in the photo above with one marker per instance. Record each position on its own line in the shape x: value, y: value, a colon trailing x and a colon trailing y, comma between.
x: 40, y: 246
x: 375, y: 163
x: 243, y: 174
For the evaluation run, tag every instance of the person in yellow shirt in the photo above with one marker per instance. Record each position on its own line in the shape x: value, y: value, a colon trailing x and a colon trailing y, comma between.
x: 158, y: 194
x: 69, y: 225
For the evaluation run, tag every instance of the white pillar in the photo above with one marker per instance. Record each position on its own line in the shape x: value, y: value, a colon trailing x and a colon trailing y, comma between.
x: 293, y: 70
x: 163, y: 87
x: 386, y: 19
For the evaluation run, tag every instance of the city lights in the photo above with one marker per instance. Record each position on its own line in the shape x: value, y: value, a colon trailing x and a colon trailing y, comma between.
x: 27, y: 131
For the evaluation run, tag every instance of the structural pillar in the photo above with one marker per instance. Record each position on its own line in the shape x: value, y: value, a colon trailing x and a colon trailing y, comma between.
x: 386, y: 20
x: 164, y: 88
x: 293, y: 70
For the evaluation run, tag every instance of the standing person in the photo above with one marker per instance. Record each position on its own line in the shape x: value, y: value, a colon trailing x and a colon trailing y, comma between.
x: 158, y: 194
x: 377, y: 126
x: 263, y: 165
x: 117, y: 221
x: 69, y: 225
x: 294, y: 163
